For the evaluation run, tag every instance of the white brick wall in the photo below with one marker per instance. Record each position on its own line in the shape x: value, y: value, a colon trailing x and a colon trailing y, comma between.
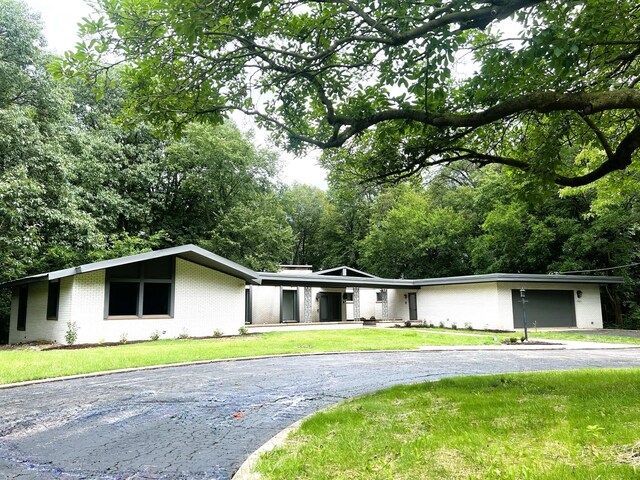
x: 37, y: 326
x: 205, y: 300
x: 475, y: 304
x: 399, y: 305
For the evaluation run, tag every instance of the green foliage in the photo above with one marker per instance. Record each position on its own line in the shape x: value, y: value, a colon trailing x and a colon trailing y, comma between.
x: 413, y: 237
x: 305, y: 207
x: 71, y: 334
x: 399, y: 86
x: 253, y: 233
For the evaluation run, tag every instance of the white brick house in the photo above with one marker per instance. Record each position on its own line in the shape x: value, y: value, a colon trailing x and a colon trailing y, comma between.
x: 182, y: 290
x: 188, y: 290
x: 490, y: 301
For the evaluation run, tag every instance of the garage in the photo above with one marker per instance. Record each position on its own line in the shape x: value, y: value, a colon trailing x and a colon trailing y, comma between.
x: 545, y: 308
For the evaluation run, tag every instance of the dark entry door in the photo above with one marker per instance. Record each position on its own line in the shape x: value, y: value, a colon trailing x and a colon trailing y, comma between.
x: 413, y: 306
x: 330, y: 307
x: 545, y: 308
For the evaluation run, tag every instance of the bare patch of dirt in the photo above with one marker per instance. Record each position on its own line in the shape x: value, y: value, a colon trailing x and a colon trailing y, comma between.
x: 629, y: 454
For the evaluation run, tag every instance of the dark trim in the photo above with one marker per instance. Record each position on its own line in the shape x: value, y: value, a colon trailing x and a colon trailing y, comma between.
x: 248, y: 305
x: 141, y: 280
x: 23, y: 300
x: 53, y: 299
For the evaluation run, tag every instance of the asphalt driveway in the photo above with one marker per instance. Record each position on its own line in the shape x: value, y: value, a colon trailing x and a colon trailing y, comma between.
x: 201, y: 422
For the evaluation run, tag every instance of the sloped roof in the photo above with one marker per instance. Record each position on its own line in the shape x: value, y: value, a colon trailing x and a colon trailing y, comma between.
x: 193, y: 253
x: 335, y: 277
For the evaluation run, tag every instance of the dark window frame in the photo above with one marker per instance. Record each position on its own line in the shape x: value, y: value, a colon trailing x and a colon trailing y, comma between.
x: 23, y: 300
x: 141, y: 280
x: 53, y: 293
x: 296, y: 305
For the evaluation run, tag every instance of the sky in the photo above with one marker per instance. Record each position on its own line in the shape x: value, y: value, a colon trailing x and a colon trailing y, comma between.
x: 60, y: 19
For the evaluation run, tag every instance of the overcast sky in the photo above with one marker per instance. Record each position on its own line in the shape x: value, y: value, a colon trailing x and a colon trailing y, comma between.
x: 60, y: 19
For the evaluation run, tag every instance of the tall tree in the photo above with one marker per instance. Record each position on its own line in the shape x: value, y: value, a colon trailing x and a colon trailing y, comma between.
x: 305, y: 207
x: 206, y: 173
x: 377, y: 77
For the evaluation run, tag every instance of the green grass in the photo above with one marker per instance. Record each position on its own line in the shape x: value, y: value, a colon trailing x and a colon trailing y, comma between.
x: 552, y: 425
x: 583, y: 337
x: 21, y: 365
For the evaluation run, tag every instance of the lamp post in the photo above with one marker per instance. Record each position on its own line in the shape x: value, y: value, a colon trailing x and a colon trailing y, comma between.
x: 524, y: 300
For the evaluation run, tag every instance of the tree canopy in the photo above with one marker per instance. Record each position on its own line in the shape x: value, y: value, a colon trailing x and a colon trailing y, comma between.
x: 401, y: 86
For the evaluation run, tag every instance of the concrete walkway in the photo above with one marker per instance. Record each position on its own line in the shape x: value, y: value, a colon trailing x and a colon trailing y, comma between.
x: 202, y: 421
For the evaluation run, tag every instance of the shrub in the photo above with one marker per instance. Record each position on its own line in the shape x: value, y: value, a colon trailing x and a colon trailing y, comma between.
x: 441, y: 324
x: 407, y: 323
x: 454, y: 325
x: 155, y: 335
x: 243, y: 331
x: 217, y: 333
x: 71, y: 334
x: 123, y: 337
x: 183, y: 335
x: 468, y: 326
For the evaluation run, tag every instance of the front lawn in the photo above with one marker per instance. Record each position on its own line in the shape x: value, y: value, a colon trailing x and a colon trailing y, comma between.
x: 553, y: 425
x: 583, y: 337
x: 21, y: 365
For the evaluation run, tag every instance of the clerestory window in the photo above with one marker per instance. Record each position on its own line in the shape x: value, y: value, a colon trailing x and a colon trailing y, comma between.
x: 141, y: 289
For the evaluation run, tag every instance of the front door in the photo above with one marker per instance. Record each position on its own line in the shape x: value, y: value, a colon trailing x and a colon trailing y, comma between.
x: 330, y: 307
x: 413, y: 306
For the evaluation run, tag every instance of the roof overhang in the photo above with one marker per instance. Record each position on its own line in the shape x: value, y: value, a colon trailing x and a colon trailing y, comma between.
x: 191, y: 253
x: 315, y: 280
x: 520, y: 278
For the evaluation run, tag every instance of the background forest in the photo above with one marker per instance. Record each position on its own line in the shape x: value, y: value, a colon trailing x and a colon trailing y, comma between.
x: 76, y: 186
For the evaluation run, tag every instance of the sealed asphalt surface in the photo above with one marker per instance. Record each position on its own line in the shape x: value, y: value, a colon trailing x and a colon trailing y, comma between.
x: 201, y: 422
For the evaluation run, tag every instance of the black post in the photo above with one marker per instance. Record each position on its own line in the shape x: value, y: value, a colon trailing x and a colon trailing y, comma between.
x: 524, y: 314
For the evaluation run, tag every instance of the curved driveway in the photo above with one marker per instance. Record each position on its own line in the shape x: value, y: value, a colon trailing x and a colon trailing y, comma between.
x: 202, y: 421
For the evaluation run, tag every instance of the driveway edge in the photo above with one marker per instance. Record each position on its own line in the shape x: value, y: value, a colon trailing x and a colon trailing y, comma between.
x: 564, y: 345
x: 246, y: 470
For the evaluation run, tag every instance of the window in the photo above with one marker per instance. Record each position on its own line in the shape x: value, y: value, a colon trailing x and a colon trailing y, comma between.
x: 53, y: 299
x: 141, y: 289
x: 23, y: 296
x: 379, y: 296
x: 348, y: 296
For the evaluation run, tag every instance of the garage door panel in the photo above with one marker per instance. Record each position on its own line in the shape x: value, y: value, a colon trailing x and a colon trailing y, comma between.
x: 545, y: 308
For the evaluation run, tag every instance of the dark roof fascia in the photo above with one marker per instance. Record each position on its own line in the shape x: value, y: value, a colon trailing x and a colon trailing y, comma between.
x: 519, y: 278
x: 315, y: 280
x: 191, y: 253
x: 25, y: 280
x: 344, y: 267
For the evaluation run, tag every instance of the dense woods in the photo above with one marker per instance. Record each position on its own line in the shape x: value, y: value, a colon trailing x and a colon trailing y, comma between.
x: 82, y: 179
